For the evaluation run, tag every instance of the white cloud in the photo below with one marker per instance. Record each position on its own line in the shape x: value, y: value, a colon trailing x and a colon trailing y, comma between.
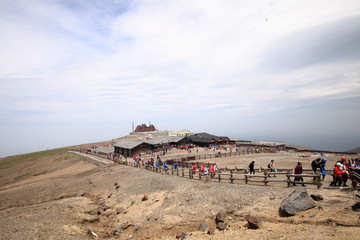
x: 83, y: 61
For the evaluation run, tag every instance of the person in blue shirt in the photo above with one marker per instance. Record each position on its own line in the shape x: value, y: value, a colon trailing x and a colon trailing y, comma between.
x: 165, y: 165
x: 175, y: 166
x: 322, y: 168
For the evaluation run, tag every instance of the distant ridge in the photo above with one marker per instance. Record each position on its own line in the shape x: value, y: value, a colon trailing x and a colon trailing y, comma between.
x: 299, y: 148
x: 355, y: 150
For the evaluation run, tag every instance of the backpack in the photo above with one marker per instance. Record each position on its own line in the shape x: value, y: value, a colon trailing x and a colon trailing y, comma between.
x: 269, y: 166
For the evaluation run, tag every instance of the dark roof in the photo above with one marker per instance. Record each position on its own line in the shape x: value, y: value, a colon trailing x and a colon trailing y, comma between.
x: 128, y: 144
x: 205, y: 137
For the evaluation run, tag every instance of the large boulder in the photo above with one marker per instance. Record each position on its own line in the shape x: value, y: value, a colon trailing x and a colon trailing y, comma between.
x: 356, y: 207
x: 297, y: 201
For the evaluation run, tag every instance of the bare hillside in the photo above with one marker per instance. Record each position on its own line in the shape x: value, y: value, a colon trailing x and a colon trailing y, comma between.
x: 58, y: 195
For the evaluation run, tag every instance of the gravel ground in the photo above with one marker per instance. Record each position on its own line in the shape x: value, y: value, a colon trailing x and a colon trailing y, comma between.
x: 74, y: 198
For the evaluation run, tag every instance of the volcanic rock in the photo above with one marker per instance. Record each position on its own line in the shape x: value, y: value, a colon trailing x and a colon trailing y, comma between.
x: 297, y: 201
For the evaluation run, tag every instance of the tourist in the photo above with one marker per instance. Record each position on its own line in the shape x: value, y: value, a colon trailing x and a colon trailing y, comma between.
x: 251, y: 168
x: 298, y: 170
x: 322, y: 168
x: 337, y: 175
x: 194, y: 168
x: 202, y: 167
x: 356, y: 166
x: 272, y: 167
x: 315, y: 165
x: 175, y: 166
x: 165, y: 166
x: 216, y: 167
x: 206, y: 170
x: 212, y: 170
x: 345, y: 171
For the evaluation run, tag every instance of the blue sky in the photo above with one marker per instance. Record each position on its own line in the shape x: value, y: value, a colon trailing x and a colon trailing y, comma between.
x: 75, y: 72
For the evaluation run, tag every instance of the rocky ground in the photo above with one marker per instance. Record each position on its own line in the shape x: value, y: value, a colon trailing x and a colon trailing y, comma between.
x: 61, y: 196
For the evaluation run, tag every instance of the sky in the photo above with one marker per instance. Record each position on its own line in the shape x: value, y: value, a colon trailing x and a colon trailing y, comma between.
x: 74, y: 71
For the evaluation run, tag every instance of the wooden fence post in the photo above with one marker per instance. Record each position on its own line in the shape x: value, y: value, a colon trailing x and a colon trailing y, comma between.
x: 246, y: 179
x: 219, y: 177
x: 288, y: 177
x: 318, y: 179
x: 265, y: 177
x: 231, y: 176
x: 183, y: 174
x: 190, y: 173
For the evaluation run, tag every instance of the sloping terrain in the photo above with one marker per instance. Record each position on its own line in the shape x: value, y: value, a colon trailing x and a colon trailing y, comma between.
x: 60, y: 196
x: 355, y: 150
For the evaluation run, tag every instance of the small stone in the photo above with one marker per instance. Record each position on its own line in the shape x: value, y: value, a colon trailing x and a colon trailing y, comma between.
x: 120, y: 210
x: 211, y: 231
x: 117, y: 187
x: 93, y: 234
x: 145, y: 197
x: 137, y: 228
x: 221, y: 225
x: 121, y: 228
x: 90, y: 219
x: 109, y: 196
x: 100, y: 211
x: 116, y: 183
x: 220, y: 217
x: 81, y: 194
x: 253, y: 222
x: 148, y: 218
x: 181, y: 235
x: 203, y: 226
x: 317, y: 197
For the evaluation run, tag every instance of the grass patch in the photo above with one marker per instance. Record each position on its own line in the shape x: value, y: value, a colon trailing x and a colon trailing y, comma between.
x: 18, y: 159
x: 40, y: 173
x: 22, y: 176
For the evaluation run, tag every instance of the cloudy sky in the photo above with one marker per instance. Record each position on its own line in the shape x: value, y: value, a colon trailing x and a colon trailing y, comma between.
x: 75, y: 71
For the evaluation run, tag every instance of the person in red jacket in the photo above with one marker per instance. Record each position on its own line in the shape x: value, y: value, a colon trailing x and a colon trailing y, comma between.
x: 212, y: 170
x: 298, y: 170
x: 337, y: 175
x: 194, y: 168
x: 202, y: 167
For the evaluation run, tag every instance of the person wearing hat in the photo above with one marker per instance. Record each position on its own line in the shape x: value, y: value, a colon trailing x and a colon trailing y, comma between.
x: 345, y: 170
x: 322, y: 168
x: 337, y: 175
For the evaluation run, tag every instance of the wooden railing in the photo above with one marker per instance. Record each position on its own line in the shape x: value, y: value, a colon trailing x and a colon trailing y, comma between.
x: 231, y: 175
